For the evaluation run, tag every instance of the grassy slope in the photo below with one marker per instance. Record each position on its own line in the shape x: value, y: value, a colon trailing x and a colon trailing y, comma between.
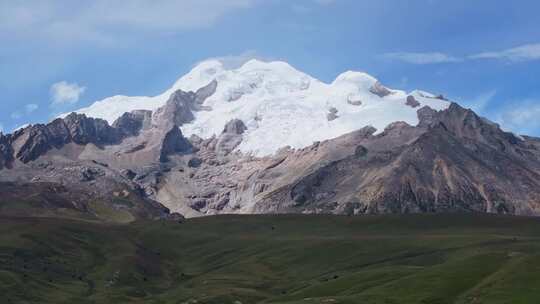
x: 273, y: 259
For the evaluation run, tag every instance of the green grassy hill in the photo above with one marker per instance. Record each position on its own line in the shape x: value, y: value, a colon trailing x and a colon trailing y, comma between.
x: 273, y: 259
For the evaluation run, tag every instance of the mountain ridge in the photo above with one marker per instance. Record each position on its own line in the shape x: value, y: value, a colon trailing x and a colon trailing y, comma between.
x: 277, y: 101
x: 447, y: 159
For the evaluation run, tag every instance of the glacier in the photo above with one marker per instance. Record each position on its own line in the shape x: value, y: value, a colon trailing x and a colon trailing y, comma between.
x: 281, y: 106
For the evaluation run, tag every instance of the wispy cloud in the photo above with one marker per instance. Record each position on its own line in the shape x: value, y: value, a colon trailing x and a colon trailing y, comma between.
x: 520, y: 116
x: 480, y: 103
x: 31, y: 107
x: 521, y: 53
x: 421, y: 58
x: 16, y: 115
x: 104, y: 21
x: 65, y: 93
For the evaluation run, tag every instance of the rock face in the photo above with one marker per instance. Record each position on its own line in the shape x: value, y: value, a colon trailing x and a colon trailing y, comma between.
x: 354, y: 101
x: 6, y: 152
x: 174, y: 142
x: 203, y: 93
x: 180, y: 107
x: 177, y: 111
x: 281, y: 105
x: 30, y: 143
x: 332, y: 114
x: 453, y: 160
x: 231, y: 137
x: 412, y: 102
x: 454, y: 164
x: 235, y: 126
x: 132, y: 123
x: 87, y: 156
x: 83, y: 130
x: 267, y: 138
x: 380, y: 90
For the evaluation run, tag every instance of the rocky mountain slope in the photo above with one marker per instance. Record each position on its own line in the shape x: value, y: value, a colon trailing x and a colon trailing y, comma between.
x: 279, y: 105
x: 266, y: 138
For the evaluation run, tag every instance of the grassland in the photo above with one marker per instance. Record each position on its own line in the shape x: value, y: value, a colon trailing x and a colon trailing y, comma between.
x: 273, y: 259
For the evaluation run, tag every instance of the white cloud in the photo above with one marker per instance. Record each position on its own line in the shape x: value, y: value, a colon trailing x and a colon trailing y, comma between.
x: 31, y: 107
x: 520, y: 116
x: 421, y: 58
x: 521, y: 53
x: 105, y: 21
x: 66, y: 93
x: 525, y: 52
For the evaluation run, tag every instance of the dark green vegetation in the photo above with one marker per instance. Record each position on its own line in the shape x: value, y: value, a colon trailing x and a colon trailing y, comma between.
x: 273, y: 259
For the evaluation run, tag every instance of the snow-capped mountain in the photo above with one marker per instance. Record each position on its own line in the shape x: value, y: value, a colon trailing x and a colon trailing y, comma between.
x: 280, y: 105
x: 215, y: 143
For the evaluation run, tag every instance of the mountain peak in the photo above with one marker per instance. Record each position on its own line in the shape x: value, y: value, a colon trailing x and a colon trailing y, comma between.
x: 207, y: 68
x: 270, y: 66
x: 280, y: 105
x: 358, y: 78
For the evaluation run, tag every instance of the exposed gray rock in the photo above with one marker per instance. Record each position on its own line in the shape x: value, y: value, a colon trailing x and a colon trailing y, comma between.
x: 453, y: 160
x: 441, y: 97
x: 354, y: 102
x: 33, y: 144
x: 132, y: 123
x: 179, y: 108
x: 174, y: 142
x: 89, y: 174
x: 80, y: 188
x: 203, y: 93
x: 235, y: 126
x: 34, y: 141
x: 194, y: 139
x: 360, y: 151
x: 6, y: 152
x: 84, y: 130
x: 380, y: 90
x: 412, y: 102
x: 58, y: 132
x: 194, y: 162
x: 433, y: 168
x: 230, y: 138
x: 177, y: 111
x: 426, y: 116
x: 332, y: 114
x: 129, y: 174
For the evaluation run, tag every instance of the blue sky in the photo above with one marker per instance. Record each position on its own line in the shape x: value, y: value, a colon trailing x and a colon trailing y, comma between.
x: 57, y: 56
